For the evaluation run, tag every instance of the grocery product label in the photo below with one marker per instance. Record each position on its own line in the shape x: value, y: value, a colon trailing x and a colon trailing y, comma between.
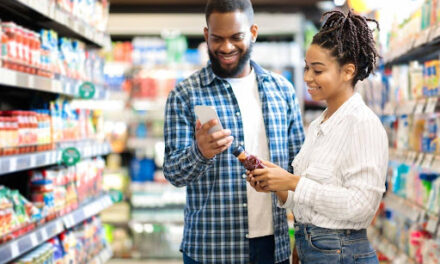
x: 87, y: 90
x: 70, y: 156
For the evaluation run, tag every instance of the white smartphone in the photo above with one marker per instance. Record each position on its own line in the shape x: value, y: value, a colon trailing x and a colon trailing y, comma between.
x: 206, y: 113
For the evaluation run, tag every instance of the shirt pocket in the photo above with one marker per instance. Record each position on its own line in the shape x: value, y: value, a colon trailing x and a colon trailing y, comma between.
x: 321, y: 173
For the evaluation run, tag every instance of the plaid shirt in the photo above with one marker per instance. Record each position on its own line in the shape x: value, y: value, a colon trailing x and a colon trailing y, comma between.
x: 216, y: 218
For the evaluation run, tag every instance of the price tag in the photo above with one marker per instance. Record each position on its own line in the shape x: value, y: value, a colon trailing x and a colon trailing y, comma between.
x: 34, y: 240
x: 4, y: 165
x: 56, y: 156
x: 23, y: 162
x: 15, y: 252
x: 44, y: 234
x: 431, y: 105
x: 411, y: 157
x: 427, y: 161
x: 419, y: 159
x: 57, y: 87
x: 70, y: 221
x: 41, y: 159
x: 31, y: 82
x: 419, y: 107
x: 410, y: 106
x: 12, y: 164
x: 33, y: 161
x: 435, y: 32
x: 48, y: 158
x: 436, y: 163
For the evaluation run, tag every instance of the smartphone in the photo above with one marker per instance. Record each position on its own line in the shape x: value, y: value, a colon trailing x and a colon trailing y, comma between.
x: 206, y: 113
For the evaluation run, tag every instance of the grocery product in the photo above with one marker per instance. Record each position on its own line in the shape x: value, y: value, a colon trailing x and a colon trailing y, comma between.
x: 250, y: 162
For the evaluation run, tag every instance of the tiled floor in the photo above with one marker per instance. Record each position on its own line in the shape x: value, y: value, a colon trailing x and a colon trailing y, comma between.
x: 146, y: 261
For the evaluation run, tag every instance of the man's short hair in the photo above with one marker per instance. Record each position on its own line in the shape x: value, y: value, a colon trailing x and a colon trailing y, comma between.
x: 226, y: 6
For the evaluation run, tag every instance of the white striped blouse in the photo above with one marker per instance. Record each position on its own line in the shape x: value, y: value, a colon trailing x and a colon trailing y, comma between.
x: 342, y: 165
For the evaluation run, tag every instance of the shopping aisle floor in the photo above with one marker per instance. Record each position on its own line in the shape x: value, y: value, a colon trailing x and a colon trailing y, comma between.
x: 146, y: 261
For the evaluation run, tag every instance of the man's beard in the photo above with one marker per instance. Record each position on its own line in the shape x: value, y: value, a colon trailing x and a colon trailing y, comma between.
x: 224, y: 73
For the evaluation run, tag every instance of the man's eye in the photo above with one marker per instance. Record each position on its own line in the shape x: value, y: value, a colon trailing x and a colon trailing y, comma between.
x: 318, y: 72
x: 306, y: 68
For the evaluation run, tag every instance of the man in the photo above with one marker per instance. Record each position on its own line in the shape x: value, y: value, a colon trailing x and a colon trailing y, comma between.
x: 226, y: 220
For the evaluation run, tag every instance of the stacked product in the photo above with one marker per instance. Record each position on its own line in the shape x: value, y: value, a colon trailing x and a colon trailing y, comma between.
x: 46, y: 54
x: 31, y: 131
x: 17, y: 214
x: 92, y: 12
x: 80, y: 245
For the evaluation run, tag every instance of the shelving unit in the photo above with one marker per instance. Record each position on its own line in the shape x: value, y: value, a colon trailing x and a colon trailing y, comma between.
x: 88, y: 149
x: 60, y: 85
x: 45, y: 14
x: 25, y: 243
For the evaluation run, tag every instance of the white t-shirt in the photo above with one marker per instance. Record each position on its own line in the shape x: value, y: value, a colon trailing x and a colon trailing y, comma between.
x: 255, y: 142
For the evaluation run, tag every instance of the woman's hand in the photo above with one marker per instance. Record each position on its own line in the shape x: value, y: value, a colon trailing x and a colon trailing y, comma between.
x: 272, y: 178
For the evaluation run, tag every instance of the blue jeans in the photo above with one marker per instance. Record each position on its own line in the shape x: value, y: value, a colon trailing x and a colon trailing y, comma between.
x: 323, y: 246
x: 261, y: 251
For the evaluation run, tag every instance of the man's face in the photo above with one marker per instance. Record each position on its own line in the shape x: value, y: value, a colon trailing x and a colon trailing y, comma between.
x: 229, y: 37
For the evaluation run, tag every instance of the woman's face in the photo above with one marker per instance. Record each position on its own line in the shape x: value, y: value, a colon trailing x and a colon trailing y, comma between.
x: 324, y: 77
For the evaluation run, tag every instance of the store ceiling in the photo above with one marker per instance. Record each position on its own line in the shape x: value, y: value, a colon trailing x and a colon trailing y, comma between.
x: 307, y: 7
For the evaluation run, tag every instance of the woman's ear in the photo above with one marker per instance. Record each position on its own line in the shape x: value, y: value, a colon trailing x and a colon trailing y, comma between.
x: 349, y: 71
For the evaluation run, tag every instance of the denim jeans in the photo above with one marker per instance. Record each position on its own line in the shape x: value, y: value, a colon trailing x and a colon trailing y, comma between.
x: 261, y: 251
x: 324, y: 246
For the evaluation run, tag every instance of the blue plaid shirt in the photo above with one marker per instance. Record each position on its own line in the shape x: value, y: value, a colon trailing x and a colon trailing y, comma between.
x: 216, y: 222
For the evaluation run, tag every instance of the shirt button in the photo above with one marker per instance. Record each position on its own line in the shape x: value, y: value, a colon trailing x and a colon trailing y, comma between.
x: 245, y: 204
x: 244, y: 176
x: 247, y: 235
x: 237, y: 113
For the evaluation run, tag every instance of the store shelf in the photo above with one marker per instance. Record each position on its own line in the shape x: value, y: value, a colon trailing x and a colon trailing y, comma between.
x: 424, y: 46
x: 23, y: 244
x: 46, y: 14
x: 417, y: 107
x: 87, y: 211
x: 60, y: 85
x: 10, y: 164
x: 429, y: 161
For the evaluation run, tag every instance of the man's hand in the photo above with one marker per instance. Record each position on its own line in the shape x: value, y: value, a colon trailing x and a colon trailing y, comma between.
x: 214, y: 143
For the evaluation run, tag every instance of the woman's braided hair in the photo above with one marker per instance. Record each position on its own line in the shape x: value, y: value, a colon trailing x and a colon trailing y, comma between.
x: 350, y: 40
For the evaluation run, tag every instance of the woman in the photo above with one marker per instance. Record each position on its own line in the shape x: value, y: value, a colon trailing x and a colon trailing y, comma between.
x: 339, y: 174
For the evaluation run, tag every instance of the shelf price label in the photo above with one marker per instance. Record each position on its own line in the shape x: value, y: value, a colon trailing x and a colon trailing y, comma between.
x: 87, y: 90
x: 431, y: 105
x: 34, y: 240
x: 419, y: 107
x: 71, y: 156
x: 411, y: 157
x: 427, y: 161
x: 419, y: 159
x: 15, y: 252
